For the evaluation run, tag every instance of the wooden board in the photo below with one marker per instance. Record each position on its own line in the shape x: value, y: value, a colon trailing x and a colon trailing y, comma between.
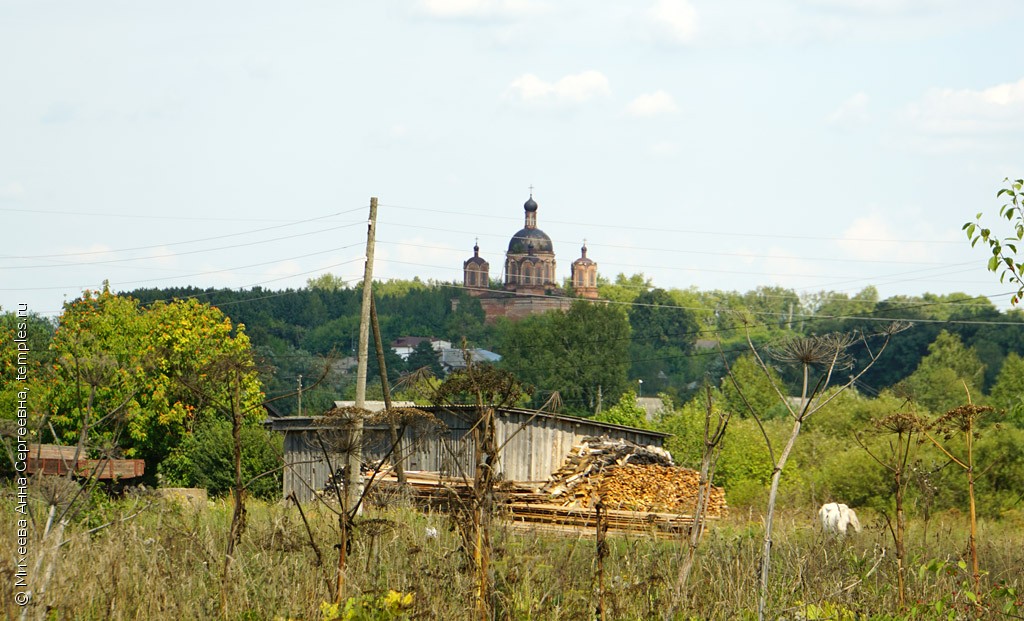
x: 526, y: 505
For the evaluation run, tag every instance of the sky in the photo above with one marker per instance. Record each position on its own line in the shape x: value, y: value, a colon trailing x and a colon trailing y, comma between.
x: 810, y: 144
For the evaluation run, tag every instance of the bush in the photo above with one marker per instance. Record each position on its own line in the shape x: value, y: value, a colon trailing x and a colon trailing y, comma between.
x: 204, y: 459
x: 626, y: 412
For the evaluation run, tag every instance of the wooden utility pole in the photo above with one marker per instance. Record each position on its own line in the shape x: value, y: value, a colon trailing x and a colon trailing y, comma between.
x: 396, y: 444
x: 355, y: 451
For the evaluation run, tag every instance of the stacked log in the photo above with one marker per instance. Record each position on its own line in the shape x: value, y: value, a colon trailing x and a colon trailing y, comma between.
x: 629, y: 477
x: 641, y: 488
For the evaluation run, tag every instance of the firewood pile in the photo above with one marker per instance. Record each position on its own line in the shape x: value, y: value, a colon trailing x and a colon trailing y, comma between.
x: 641, y: 489
x: 626, y: 476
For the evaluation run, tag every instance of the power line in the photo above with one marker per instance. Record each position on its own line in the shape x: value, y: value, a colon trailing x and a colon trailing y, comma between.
x: 645, y: 229
x: 667, y: 250
x: 135, y: 216
x: 180, y: 254
x: 203, y: 273
x: 181, y: 243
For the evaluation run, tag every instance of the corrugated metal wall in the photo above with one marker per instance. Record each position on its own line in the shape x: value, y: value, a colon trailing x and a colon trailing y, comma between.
x: 534, y: 448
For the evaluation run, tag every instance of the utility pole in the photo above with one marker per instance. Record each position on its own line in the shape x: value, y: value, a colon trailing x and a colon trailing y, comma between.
x: 355, y: 450
x: 300, y: 394
x: 396, y: 444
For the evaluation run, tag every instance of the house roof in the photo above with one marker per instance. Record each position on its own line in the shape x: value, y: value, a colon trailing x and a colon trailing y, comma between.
x: 410, y: 341
x: 453, y: 358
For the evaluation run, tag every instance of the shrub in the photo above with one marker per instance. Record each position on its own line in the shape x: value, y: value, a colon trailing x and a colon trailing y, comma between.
x: 204, y: 459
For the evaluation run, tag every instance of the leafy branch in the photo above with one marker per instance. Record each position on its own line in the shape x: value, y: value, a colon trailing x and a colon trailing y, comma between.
x: 1004, y: 259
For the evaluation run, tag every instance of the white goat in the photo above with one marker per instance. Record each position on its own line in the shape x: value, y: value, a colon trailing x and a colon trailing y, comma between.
x: 836, y: 517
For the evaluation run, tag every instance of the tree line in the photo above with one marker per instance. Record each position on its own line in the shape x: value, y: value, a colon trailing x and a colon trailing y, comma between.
x: 144, y: 357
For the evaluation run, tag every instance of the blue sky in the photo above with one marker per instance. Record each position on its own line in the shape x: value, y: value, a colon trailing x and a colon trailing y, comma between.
x: 813, y: 144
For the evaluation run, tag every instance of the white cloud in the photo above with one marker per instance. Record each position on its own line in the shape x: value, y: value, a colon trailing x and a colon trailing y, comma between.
x: 163, y: 256
x: 477, y: 9
x: 571, y: 89
x: 652, y: 104
x: 675, y: 20
x: 873, y: 238
x: 773, y: 265
x: 949, y: 111
x: 853, y: 111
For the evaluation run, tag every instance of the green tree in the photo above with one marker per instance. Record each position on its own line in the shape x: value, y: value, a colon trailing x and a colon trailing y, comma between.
x: 327, y: 282
x: 1008, y: 392
x: 758, y: 389
x: 582, y: 353
x: 828, y: 309
x: 424, y: 356
x: 626, y: 412
x: 31, y: 335
x: 100, y: 368
x: 1004, y: 259
x: 773, y: 306
x: 143, y: 378
x: 624, y: 289
x: 938, y: 382
x: 397, y: 287
x: 663, y: 334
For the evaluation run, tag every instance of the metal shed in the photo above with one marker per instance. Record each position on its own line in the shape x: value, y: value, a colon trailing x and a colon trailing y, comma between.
x: 535, y: 445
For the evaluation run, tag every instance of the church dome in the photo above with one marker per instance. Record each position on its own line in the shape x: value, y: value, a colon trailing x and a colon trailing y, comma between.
x: 524, y: 239
x: 530, y: 204
x: 584, y: 259
x: 476, y: 259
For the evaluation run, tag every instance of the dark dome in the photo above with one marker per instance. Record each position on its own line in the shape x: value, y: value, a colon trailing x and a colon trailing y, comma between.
x: 537, y: 238
x: 583, y: 260
x: 530, y: 205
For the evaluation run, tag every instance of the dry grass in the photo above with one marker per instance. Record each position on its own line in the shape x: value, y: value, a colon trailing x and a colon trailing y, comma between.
x: 164, y: 564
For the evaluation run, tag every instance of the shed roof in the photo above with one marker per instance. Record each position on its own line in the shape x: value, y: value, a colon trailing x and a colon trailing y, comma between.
x: 309, y: 423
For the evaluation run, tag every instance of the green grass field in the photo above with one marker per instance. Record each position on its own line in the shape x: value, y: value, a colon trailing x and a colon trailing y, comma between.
x: 167, y: 562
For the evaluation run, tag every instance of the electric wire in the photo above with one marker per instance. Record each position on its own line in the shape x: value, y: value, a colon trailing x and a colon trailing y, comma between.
x: 180, y: 243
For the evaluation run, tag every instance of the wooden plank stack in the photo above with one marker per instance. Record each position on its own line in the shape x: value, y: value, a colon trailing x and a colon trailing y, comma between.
x: 642, y: 491
x: 557, y: 517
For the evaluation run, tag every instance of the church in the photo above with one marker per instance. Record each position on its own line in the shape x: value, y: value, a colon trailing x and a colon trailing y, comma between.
x: 529, y: 275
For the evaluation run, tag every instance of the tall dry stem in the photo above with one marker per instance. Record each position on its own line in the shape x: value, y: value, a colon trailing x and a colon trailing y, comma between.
x: 903, y: 426
x: 964, y: 420
x: 825, y: 355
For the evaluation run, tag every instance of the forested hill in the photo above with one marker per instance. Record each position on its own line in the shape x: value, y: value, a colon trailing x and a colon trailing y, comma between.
x: 305, y: 331
x: 663, y: 337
